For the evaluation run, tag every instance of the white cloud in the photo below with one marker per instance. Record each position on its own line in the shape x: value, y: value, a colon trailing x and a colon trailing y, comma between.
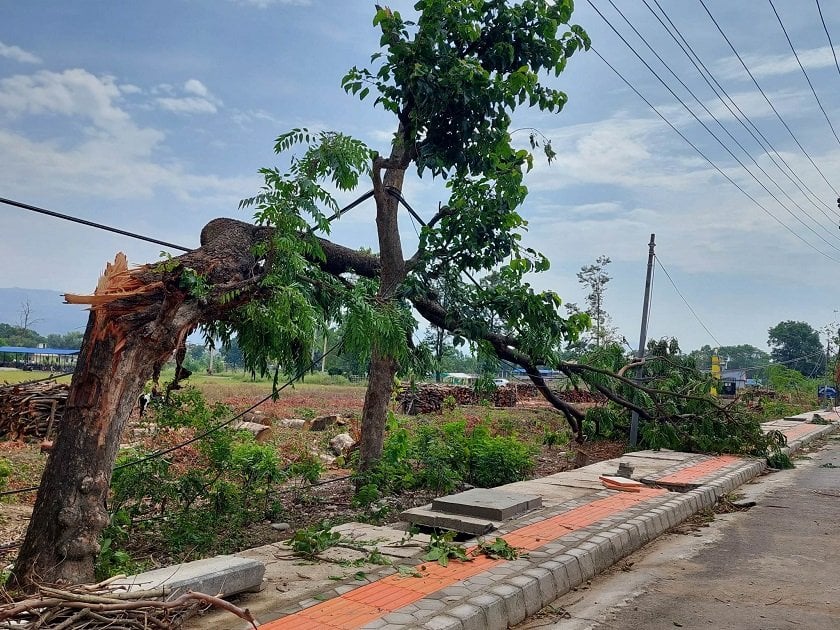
x: 775, y: 65
x: 18, y: 54
x: 197, y: 99
x: 110, y: 156
x: 194, y: 86
x: 187, y: 105
x: 128, y: 88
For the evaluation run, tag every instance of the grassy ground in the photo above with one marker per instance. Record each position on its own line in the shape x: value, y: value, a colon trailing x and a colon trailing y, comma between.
x: 13, y: 377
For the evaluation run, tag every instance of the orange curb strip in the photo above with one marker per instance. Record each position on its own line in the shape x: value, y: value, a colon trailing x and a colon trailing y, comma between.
x: 698, y: 471
x: 366, y: 603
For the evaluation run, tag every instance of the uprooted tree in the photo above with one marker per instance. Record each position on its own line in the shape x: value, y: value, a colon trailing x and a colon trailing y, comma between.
x: 452, y: 80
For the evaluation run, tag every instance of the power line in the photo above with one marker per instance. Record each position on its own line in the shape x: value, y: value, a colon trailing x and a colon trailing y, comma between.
x: 149, y: 239
x: 94, y: 224
x: 693, y: 312
x: 775, y: 111
x: 738, y: 114
x: 720, y: 124
x: 788, y: 228
x: 830, y: 44
x: 801, y: 67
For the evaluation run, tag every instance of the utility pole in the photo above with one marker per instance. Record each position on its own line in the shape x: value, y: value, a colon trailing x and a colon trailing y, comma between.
x: 640, y: 352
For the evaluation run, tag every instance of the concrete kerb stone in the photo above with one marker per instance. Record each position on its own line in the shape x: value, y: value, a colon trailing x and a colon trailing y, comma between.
x: 514, y: 602
x: 471, y: 617
x: 443, y: 622
x: 494, y: 610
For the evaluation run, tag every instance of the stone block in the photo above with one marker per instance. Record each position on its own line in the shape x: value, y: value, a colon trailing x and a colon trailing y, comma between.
x: 514, y: 600
x: 220, y: 575
x: 441, y: 520
x: 495, y: 614
x: 530, y: 588
x: 483, y: 503
x: 443, y: 622
x: 471, y: 617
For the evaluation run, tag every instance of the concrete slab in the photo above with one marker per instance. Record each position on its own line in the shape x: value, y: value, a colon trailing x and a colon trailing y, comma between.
x: 220, y: 575
x: 647, y: 466
x: 386, y: 540
x: 492, y: 504
x: 574, y: 479
x: 552, y: 494
x: 673, y: 456
x: 427, y: 517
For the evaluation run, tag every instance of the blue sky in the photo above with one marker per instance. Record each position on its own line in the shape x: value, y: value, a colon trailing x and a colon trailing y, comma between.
x: 155, y: 116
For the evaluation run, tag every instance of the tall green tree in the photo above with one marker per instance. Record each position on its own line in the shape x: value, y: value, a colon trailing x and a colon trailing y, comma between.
x: 452, y: 79
x: 595, y: 278
x: 797, y: 345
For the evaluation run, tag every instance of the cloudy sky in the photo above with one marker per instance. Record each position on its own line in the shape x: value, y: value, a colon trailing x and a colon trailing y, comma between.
x: 155, y: 116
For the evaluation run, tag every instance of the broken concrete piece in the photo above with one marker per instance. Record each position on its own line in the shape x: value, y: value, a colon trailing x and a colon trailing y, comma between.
x: 220, y: 575
x: 427, y: 517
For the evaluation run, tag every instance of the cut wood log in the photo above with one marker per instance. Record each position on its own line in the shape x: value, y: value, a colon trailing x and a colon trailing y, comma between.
x: 261, y: 432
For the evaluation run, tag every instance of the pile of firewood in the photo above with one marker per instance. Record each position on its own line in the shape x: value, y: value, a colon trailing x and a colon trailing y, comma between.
x: 101, y: 606
x: 432, y: 397
x: 32, y: 410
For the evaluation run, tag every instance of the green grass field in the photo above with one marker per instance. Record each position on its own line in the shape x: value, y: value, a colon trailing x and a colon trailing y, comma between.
x: 13, y: 377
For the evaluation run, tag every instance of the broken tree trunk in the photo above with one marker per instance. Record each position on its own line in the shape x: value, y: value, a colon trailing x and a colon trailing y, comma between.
x: 138, y: 317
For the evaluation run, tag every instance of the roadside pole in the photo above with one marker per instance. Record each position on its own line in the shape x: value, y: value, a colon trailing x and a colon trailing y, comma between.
x: 640, y: 352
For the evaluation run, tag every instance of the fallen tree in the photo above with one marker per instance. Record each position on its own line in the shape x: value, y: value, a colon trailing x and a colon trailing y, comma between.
x: 452, y: 79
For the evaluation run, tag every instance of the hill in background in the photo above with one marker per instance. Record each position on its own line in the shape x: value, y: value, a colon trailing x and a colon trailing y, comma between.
x: 48, y: 313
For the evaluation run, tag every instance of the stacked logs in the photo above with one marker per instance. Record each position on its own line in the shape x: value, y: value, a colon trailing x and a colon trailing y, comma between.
x: 31, y: 410
x: 430, y: 397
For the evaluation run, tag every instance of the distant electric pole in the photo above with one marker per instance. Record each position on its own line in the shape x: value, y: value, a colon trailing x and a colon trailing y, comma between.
x: 640, y: 352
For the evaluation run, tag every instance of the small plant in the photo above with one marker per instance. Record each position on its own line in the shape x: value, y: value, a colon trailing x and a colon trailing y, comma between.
x: 498, y: 549
x: 310, y: 541
x: 449, y: 403
x: 779, y: 461
x: 5, y: 473
x: 553, y: 438
x: 442, y: 549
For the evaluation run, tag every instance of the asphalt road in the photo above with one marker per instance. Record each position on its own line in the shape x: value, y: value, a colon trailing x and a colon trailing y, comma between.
x: 774, y: 566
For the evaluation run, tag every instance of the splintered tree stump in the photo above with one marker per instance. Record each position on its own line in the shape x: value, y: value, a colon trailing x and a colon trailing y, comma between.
x: 137, y: 318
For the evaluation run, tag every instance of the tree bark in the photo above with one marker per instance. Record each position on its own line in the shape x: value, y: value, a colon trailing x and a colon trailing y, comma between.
x: 383, y: 368
x: 137, y: 319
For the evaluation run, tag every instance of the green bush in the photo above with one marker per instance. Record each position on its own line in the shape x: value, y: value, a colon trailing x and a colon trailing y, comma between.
x: 495, y: 461
x: 207, y: 507
x: 441, y: 458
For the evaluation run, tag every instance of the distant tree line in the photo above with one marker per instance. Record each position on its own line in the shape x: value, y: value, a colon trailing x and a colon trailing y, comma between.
x: 12, y: 335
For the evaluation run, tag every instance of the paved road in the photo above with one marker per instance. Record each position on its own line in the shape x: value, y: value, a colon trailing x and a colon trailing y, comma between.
x: 775, y: 566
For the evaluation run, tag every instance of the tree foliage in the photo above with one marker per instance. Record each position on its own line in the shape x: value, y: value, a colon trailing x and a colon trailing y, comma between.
x: 798, y: 346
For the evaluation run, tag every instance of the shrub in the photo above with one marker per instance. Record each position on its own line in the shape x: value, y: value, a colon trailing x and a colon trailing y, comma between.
x: 440, y: 458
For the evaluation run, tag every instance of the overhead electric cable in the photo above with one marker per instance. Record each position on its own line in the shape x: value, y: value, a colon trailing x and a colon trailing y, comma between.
x: 801, y: 67
x: 831, y: 233
x: 712, y: 164
x: 94, y: 224
x: 148, y: 239
x: 739, y: 115
x: 710, y: 132
x: 693, y: 312
x: 766, y: 98
x: 828, y: 36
